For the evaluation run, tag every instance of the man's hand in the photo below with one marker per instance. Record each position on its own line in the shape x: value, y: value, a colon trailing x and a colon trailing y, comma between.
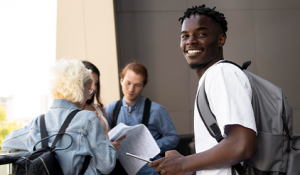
x: 172, y: 164
x: 116, y: 144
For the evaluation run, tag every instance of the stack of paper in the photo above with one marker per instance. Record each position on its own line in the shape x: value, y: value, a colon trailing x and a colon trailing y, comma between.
x: 138, y: 141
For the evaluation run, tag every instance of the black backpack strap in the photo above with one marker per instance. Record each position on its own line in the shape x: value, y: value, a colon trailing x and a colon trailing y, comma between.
x: 44, y: 132
x: 146, y: 114
x: 85, y: 165
x: 115, y: 113
x: 64, y: 127
x: 210, y: 121
x: 244, y: 66
x: 61, y: 132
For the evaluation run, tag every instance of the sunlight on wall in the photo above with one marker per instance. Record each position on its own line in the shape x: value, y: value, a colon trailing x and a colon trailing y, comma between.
x: 28, y: 43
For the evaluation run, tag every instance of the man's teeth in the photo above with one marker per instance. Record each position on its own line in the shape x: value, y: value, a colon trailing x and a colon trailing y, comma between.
x: 194, y: 51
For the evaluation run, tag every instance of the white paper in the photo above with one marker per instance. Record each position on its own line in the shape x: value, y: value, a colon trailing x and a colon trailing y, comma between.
x: 138, y: 141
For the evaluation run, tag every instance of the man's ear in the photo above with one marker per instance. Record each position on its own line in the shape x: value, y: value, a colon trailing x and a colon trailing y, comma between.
x: 121, y: 81
x: 222, y: 40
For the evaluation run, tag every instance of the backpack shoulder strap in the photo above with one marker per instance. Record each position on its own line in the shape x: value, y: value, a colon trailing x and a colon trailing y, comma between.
x: 206, y: 115
x: 85, y: 165
x: 146, y: 114
x: 64, y: 127
x: 210, y: 121
x: 244, y: 66
x: 115, y: 113
x: 44, y: 132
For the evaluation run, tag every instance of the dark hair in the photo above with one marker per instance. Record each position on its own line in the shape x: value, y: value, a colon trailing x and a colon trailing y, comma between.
x: 137, y: 68
x: 202, y: 10
x: 95, y: 70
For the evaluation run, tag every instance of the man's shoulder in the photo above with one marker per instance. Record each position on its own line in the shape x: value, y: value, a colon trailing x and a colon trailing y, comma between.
x: 224, y: 69
x: 223, y: 66
x: 156, y: 106
x: 111, y: 105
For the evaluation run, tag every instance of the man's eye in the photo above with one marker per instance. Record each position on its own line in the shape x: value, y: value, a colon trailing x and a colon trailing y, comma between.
x: 184, y: 36
x: 201, y: 34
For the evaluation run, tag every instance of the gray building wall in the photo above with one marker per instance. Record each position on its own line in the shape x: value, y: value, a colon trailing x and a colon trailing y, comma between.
x: 265, y: 32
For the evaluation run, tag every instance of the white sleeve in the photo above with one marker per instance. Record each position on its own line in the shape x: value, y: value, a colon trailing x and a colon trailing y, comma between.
x: 229, y: 94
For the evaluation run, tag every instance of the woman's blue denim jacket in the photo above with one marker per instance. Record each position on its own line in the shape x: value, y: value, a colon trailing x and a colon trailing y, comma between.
x: 87, y: 134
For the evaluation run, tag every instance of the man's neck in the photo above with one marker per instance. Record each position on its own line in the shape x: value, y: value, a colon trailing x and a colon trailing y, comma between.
x: 131, y: 102
x: 201, y: 71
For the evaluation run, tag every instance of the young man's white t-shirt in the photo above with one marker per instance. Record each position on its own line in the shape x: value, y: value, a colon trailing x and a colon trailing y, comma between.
x: 229, y: 95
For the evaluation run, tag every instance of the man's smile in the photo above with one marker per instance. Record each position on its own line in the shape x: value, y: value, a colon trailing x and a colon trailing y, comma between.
x: 193, y: 51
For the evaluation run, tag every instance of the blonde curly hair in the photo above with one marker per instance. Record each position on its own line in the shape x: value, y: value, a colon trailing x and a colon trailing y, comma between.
x: 69, y: 79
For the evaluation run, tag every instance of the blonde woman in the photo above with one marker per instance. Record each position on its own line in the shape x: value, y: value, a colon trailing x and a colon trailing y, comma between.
x: 71, y: 87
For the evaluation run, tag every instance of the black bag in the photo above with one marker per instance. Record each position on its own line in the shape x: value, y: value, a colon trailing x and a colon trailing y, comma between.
x: 43, y: 161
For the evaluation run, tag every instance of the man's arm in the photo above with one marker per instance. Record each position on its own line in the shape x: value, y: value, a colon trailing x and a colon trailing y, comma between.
x: 240, y: 144
x: 163, y: 123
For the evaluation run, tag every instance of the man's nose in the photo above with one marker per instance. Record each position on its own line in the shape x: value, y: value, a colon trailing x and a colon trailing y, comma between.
x: 192, y: 40
x: 131, y: 88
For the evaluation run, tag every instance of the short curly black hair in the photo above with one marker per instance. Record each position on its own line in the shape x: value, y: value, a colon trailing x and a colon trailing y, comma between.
x: 202, y: 10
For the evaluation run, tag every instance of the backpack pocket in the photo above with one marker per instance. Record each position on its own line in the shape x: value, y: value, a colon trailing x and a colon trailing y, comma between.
x: 271, y: 155
x: 294, y: 156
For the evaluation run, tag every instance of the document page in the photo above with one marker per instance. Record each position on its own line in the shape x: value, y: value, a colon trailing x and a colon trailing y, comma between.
x: 138, y: 141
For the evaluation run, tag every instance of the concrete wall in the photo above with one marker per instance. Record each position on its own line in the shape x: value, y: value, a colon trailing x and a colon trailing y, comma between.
x: 265, y: 32
x: 86, y: 31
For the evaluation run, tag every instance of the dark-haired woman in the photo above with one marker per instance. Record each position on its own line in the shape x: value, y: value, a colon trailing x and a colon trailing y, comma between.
x: 90, y: 105
x: 98, y: 107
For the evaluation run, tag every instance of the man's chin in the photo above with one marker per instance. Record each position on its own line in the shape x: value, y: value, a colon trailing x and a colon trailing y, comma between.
x: 198, y: 66
x: 132, y: 98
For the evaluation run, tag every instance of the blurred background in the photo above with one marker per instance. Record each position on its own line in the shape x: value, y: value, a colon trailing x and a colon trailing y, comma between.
x: 111, y: 33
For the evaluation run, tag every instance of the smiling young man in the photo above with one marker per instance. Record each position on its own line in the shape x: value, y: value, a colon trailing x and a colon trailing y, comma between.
x: 134, y: 78
x: 203, y: 35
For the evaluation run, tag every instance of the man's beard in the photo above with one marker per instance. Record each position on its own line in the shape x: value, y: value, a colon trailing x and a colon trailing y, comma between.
x: 202, y: 65
x: 199, y: 66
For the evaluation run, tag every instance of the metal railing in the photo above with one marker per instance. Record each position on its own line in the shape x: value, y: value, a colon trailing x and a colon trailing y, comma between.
x: 7, y: 169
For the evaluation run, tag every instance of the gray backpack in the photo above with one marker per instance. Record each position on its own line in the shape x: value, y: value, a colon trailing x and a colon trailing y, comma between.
x: 278, y: 149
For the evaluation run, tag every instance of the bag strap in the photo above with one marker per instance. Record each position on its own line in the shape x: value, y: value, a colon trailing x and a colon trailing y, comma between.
x: 210, y: 120
x: 206, y: 115
x: 64, y: 127
x: 146, y: 114
x: 44, y: 133
x: 61, y: 132
x: 115, y: 113
x: 85, y: 165
x: 244, y: 66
